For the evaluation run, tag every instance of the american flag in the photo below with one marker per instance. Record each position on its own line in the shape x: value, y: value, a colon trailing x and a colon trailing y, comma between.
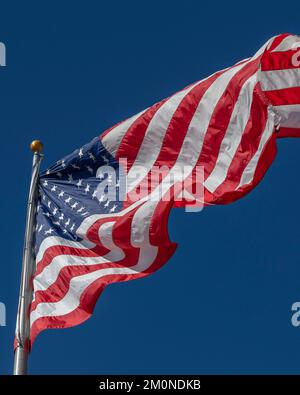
x: 227, y: 124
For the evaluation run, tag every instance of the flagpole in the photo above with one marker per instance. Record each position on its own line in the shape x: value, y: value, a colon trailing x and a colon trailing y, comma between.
x: 25, y: 297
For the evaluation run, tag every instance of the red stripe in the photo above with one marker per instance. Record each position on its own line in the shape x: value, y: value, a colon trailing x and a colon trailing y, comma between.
x: 221, y: 117
x: 265, y: 160
x: 264, y: 163
x: 178, y: 127
x: 288, y: 132
x: 56, y: 250
x: 134, y: 136
x: 279, y: 60
x: 282, y: 97
x: 277, y: 40
x: 247, y: 147
x: 158, y: 230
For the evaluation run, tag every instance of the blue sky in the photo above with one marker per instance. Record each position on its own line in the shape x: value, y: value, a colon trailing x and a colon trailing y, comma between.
x: 222, y: 304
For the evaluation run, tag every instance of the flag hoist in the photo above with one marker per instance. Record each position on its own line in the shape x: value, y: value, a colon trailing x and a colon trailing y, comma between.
x: 25, y: 297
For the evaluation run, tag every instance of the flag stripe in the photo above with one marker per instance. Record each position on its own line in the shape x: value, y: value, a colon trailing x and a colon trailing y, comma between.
x: 280, y: 79
x: 233, y: 136
x: 243, y: 155
x: 283, y: 97
x: 248, y: 173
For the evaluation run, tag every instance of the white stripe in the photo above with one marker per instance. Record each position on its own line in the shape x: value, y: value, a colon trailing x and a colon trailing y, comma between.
x: 249, y: 171
x: 113, y: 138
x: 53, y: 241
x: 105, y: 235
x: 287, y: 43
x: 230, y: 143
x: 89, y: 221
x: 154, y: 136
x: 72, y: 299
x: 289, y: 115
x: 279, y: 79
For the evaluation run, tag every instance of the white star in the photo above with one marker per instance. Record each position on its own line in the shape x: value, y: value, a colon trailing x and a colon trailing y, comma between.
x: 74, y: 205
x: 67, y: 223
x: 72, y: 227
x: 61, y: 194
x: 54, y: 211
x: 113, y: 208
x: 56, y: 223
x: 101, y: 198
x: 68, y: 200
x: 87, y: 188
x: 85, y: 214
x: 75, y: 166
x: 81, y: 209
x: 48, y: 172
x: 80, y: 153
x: 70, y: 178
x: 79, y: 183
x: 107, y: 204
x: 49, y: 231
x: 59, y: 174
x: 63, y: 164
x: 45, y: 183
x: 53, y: 189
x: 40, y: 228
x: 94, y: 193
x: 49, y: 203
x: 91, y: 156
x: 61, y: 216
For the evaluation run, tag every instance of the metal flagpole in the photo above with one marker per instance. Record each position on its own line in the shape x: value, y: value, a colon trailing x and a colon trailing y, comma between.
x: 25, y: 297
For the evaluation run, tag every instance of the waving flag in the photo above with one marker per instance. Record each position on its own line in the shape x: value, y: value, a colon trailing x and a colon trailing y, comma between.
x: 226, y: 124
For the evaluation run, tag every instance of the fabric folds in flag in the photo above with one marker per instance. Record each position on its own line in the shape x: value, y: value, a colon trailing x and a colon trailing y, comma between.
x: 226, y: 125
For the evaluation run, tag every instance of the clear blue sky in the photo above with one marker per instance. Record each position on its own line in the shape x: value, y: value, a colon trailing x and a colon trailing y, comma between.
x: 222, y: 304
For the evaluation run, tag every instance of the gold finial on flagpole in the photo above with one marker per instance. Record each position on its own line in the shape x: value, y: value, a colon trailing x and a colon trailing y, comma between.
x: 36, y: 146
